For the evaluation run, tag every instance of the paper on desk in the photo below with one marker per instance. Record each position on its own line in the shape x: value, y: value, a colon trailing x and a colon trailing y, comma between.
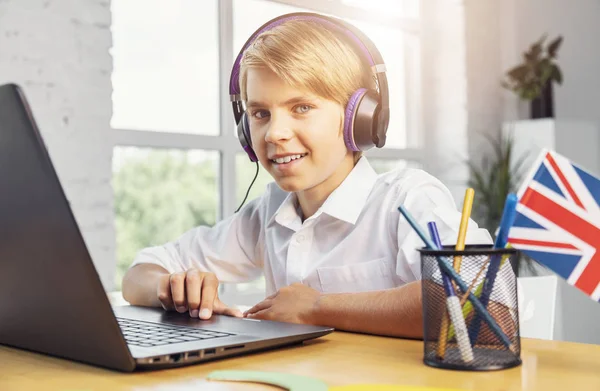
x: 284, y: 380
x: 387, y: 387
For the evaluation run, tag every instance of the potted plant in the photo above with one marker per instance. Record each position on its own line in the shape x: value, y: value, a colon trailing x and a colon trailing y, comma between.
x: 532, y: 79
x: 498, y: 174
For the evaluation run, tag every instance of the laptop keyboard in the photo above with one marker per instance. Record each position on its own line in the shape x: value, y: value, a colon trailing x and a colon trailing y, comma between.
x: 148, y: 334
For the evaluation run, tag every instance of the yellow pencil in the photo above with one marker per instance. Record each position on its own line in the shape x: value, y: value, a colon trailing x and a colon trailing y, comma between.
x: 460, y: 246
x: 464, y: 222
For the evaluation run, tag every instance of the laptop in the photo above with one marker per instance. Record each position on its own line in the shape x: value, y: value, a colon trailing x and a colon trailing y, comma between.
x: 51, y: 297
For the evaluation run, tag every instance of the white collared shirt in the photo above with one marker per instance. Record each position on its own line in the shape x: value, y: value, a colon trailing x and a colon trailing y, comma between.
x: 357, y: 241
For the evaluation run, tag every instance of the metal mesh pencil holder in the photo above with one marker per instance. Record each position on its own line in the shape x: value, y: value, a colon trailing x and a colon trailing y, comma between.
x: 460, y: 333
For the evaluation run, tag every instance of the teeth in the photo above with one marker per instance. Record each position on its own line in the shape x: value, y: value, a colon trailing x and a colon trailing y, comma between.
x: 287, y: 159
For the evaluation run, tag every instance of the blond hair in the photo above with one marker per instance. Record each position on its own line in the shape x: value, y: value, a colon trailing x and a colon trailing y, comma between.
x: 309, y: 56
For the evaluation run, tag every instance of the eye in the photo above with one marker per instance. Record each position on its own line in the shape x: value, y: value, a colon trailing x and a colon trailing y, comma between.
x: 260, y: 114
x: 302, y: 109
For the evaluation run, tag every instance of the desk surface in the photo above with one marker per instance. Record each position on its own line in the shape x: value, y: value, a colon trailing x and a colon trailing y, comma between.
x: 338, y: 359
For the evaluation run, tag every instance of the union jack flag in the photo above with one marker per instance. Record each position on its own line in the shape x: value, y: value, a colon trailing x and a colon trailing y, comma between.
x: 558, y: 221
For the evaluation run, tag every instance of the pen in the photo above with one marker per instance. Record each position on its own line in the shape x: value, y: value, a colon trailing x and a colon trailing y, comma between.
x: 460, y: 246
x: 467, y: 307
x: 461, y: 284
x: 508, y: 218
x: 454, y: 309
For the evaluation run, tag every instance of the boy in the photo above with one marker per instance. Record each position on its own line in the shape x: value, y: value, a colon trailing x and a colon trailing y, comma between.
x: 334, y: 249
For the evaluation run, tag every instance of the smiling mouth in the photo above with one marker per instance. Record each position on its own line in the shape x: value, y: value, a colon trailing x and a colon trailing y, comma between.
x: 288, y: 159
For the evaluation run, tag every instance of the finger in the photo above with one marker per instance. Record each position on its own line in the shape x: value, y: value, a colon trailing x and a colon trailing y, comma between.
x: 222, y: 309
x: 265, y: 304
x: 272, y: 296
x: 177, y: 281
x: 163, y: 291
x: 260, y: 305
x: 210, y: 285
x: 265, y: 314
x: 193, y: 284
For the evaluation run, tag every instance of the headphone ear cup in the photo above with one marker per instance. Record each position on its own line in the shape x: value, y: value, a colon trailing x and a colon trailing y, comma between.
x: 367, y: 125
x: 349, y: 116
x: 243, y: 131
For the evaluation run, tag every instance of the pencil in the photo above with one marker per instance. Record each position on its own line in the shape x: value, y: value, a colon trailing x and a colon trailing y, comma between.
x: 446, y: 268
x: 453, y: 307
x: 507, y: 220
x: 466, y: 305
x: 464, y: 223
x: 460, y: 246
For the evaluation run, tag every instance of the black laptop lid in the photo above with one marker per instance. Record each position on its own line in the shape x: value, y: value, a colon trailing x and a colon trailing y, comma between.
x: 51, y: 298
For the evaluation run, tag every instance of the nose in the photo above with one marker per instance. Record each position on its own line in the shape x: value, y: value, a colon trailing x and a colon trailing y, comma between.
x: 279, y: 128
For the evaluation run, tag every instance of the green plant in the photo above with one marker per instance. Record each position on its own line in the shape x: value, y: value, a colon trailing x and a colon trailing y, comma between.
x: 498, y: 174
x: 538, y: 68
x: 493, y: 180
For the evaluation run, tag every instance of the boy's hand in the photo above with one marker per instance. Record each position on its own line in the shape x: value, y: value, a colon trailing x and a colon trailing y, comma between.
x: 293, y: 304
x: 193, y: 291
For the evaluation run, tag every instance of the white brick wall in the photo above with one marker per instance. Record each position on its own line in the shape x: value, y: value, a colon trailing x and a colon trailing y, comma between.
x: 58, y: 51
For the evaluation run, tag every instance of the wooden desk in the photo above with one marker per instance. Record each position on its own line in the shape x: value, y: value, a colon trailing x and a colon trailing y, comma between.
x: 338, y: 359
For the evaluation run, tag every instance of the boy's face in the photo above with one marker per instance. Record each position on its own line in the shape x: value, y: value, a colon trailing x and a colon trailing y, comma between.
x: 296, y: 135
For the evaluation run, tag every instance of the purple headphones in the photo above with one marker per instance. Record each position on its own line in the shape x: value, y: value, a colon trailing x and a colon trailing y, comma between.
x: 367, y: 113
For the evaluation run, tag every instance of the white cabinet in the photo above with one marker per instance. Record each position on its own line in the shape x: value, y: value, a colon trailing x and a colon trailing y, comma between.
x: 577, y: 140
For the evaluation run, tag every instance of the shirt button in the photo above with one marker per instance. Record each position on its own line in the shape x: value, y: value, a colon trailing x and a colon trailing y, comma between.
x: 300, y: 238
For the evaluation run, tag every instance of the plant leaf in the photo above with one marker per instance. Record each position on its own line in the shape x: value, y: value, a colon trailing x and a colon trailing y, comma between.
x: 535, y: 50
x: 518, y: 170
x: 545, y: 71
x: 557, y: 74
x: 518, y: 73
x: 493, y: 179
x: 554, y: 46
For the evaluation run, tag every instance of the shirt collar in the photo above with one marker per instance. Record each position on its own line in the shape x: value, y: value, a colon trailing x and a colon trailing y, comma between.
x: 288, y: 213
x: 345, y: 203
x: 348, y: 200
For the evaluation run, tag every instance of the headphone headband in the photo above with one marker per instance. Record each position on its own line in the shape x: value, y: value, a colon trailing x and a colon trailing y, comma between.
x: 359, y: 40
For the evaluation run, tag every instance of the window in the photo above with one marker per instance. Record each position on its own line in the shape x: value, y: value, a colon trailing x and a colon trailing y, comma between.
x: 244, y: 173
x: 249, y: 15
x: 165, y: 58
x: 177, y: 162
x: 397, y: 8
x: 390, y: 43
x: 159, y: 194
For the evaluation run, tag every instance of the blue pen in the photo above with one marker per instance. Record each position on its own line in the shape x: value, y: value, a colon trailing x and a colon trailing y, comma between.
x: 461, y: 284
x: 435, y: 237
x: 454, y: 309
x: 508, y: 218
